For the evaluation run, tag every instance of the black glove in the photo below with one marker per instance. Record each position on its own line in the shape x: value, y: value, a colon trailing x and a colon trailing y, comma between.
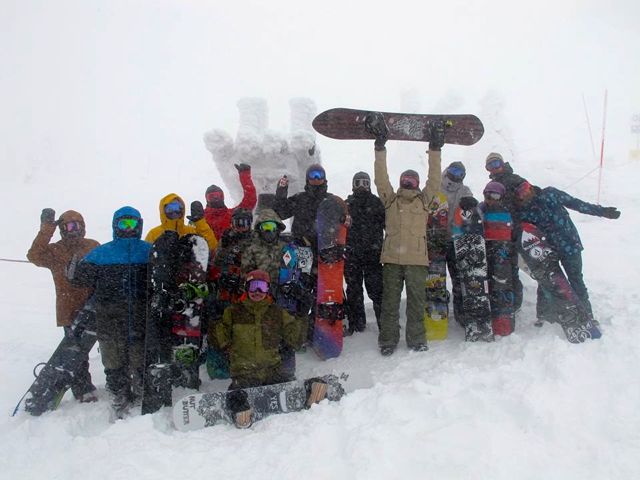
x: 468, y: 203
x: 610, y: 212
x: 197, y: 211
x: 436, y: 135
x: 242, y: 167
x: 375, y: 125
x: 48, y: 215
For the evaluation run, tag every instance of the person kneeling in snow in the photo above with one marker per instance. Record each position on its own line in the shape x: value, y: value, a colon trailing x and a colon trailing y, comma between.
x: 252, y: 331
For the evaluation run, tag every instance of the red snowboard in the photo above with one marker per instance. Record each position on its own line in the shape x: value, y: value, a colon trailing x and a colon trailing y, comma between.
x: 349, y: 124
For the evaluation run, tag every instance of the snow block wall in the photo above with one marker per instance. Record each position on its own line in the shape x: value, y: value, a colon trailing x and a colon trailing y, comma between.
x: 270, y: 154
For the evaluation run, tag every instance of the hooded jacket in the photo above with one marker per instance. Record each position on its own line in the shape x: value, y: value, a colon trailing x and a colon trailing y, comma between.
x: 262, y: 255
x: 253, y: 333
x: 303, y: 207
x: 454, y: 191
x: 117, y: 271
x: 58, y: 257
x: 219, y: 219
x: 199, y: 228
x: 405, y: 240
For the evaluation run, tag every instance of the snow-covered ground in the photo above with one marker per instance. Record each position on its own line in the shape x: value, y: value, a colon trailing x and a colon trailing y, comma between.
x: 106, y: 103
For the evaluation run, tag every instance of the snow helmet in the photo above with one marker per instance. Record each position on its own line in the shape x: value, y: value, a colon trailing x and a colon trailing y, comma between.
x: 494, y: 162
x: 361, y: 181
x: 241, y: 218
x: 410, y: 180
x: 214, y: 196
x: 456, y: 172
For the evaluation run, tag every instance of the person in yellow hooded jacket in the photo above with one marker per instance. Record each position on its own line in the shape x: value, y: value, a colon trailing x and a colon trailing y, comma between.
x: 172, y: 212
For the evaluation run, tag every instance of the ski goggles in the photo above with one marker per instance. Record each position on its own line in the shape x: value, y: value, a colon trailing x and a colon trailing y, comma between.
x: 213, y: 197
x: 258, y: 286
x: 173, y: 210
x: 493, y: 195
x: 268, y: 226
x: 361, y: 183
x: 241, y: 223
x: 456, y: 174
x: 523, y: 190
x: 71, y: 227
x: 127, y: 223
x: 494, y: 164
x: 315, y: 174
x: 408, y: 181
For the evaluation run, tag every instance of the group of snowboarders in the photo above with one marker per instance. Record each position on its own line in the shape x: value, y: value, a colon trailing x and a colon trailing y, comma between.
x: 255, y: 321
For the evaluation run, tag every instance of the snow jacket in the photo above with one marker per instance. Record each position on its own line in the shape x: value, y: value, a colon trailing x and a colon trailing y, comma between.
x: 366, y: 233
x: 510, y: 181
x: 117, y: 271
x: 405, y: 240
x: 58, y: 257
x: 454, y: 191
x: 303, y: 207
x: 219, y: 219
x: 199, y: 228
x: 548, y: 211
x: 262, y: 255
x: 253, y: 332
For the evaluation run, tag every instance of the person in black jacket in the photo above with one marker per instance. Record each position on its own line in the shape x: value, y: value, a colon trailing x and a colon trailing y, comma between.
x: 118, y: 273
x: 364, y: 245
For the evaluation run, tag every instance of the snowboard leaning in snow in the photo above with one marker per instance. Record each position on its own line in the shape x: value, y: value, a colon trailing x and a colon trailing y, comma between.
x: 178, y: 271
x: 201, y: 410
x: 349, y: 124
x: 55, y: 377
x: 332, y: 238
x: 436, y: 315
x: 471, y: 262
x: 544, y: 266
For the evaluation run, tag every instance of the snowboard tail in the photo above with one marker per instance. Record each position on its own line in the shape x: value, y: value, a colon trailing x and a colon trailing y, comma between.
x: 349, y: 124
x: 436, y: 316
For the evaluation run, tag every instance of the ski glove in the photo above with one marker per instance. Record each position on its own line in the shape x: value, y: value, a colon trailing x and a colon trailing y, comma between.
x: 242, y: 167
x: 197, y: 211
x: 48, y: 215
x: 436, y: 135
x: 375, y: 125
x: 610, y: 212
x: 468, y: 203
x: 283, y: 182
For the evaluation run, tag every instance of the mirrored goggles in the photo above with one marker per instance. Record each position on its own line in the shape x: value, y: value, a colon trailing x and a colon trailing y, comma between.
x: 258, y: 286
x: 456, y: 174
x: 315, y: 174
x: 268, y: 226
x: 494, y: 164
x: 408, y: 182
x: 362, y: 183
x: 493, y: 195
x: 72, y: 226
x: 127, y: 223
x: 241, y: 223
x: 173, y: 209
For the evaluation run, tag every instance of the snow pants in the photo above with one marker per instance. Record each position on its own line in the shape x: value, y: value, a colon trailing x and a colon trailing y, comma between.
x: 355, y: 272
x: 394, y: 277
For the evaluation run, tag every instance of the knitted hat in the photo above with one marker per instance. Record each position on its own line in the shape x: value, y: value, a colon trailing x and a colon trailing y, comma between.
x: 494, y: 187
x: 493, y: 156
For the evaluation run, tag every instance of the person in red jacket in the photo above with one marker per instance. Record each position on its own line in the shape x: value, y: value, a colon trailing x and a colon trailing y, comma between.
x: 217, y: 214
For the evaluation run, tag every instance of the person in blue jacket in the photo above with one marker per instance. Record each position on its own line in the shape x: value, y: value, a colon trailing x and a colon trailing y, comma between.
x: 547, y: 209
x: 118, y: 272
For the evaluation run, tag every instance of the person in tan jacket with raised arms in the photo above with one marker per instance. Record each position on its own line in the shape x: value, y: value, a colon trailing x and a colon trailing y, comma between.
x: 404, y: 252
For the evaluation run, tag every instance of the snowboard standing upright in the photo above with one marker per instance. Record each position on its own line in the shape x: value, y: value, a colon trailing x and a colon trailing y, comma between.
x: 175, y: 320
x: 201, y: 410
x: 436, y: 315
x: 501, y: 255
x: 349, y: 124
x: 56, y: 376
x: 332, y: 236
x: 295, y: 267
x: 544, y: 266
x: 471, y: 262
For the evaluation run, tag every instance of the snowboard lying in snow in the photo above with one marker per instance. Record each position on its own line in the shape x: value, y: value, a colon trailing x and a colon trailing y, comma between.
x: 201, y: 410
